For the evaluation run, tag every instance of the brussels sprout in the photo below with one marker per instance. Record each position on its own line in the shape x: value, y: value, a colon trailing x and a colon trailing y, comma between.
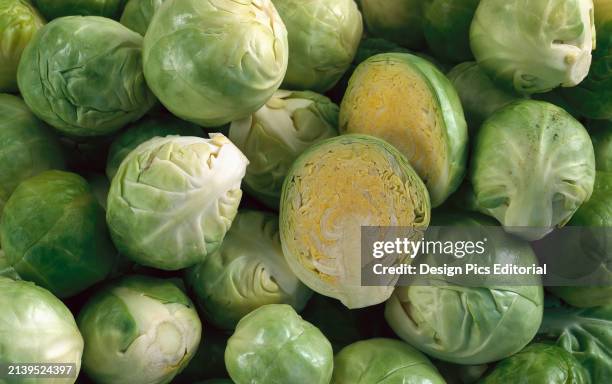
x: 334, y: 188
x: 593, y: 97
x: 247, y: 271
x: 323, y: 39
x: 142, y: 131
x: 539, y: 363
x: 601, y: 135
x: 212, y: 62
x: 273, y: 345
x: 446, y: 24
x: 479, y: 95
x: 174, y: 198
x: 273, y: 137
x: 534, y: 46
x: 469, y: 324
x: 19, y: 21
x: 533, y: 166
x: 383, y: 361
x: 36, y: 327
x: 137, y: 14
x: 592, y: 248
x: 83, y: 76
x: 27, y: 147
x: 54, y: 234
x: 208, y: 361
x: 587, y: 334
x: 138, y: 330
x: 399, y: 21
x: 405, y: 100
x: 461, y: 374
x: 57, y: 8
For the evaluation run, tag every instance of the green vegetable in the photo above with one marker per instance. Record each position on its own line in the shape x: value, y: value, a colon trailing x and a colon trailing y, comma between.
x: 446, y: 24
x: 534, y: 46
x: 19, y: 21
x: 586, y: 333
x: 538, y: 363
x: 334, y: 188
x: 323, y: 39
x: 54, y: 234
x: 83, y: 76
x: 36, y: 327
x: 27, y: 146
x: 138, y: 330
x: 383, y: 361
x: 142, y: 131
x: 228, y: 58
x: 593, y: 97
x: 591, y: 247
x: 273, y: 345
x: 463, y: 323
x: 406, y: 101
x: 174, y: 198
x: 57, y: 8
x: 399, y: 21
x: 247, y: 272
x: 274, y: 136
x: 480, y: 96
x: 527, y: 141
x: 138, y: 14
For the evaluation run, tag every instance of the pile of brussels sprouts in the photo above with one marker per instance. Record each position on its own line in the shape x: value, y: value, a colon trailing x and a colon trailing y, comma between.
x: 183, y: 185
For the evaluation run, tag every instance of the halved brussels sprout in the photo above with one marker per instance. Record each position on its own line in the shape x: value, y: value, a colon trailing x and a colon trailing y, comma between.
x: 139, y: 330
x: 19, y: 21
x: 533, y: 166
x: 399, y: 21
x: 247, y: 272
x: 174, y: 198
x: 539, y: 363
x: 273, y: 345
x: 446, y: 24
x: 54, y: 234
x: 83, y: 76
x: 57, y: 8
x: 479, y: 95
x: 27, y: 147
x: 323, y: 39
x: 592, y: 247
x: 142, y: 131
x: 212, y: 62
x: 406, y: 101
x: 333, y: 189
x: 36, y: 327
x: 586, y: 334
x: 382, y: 361
x: 534, y: 46
x: 137, y: 14
x: 274, y: 136
x: 467, y: 324
x: 593, y: 97
x: 601, y: 135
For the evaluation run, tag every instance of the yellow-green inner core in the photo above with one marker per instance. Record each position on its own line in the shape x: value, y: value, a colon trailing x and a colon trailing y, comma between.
x: 390, y: 100
x: 336, y: 193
